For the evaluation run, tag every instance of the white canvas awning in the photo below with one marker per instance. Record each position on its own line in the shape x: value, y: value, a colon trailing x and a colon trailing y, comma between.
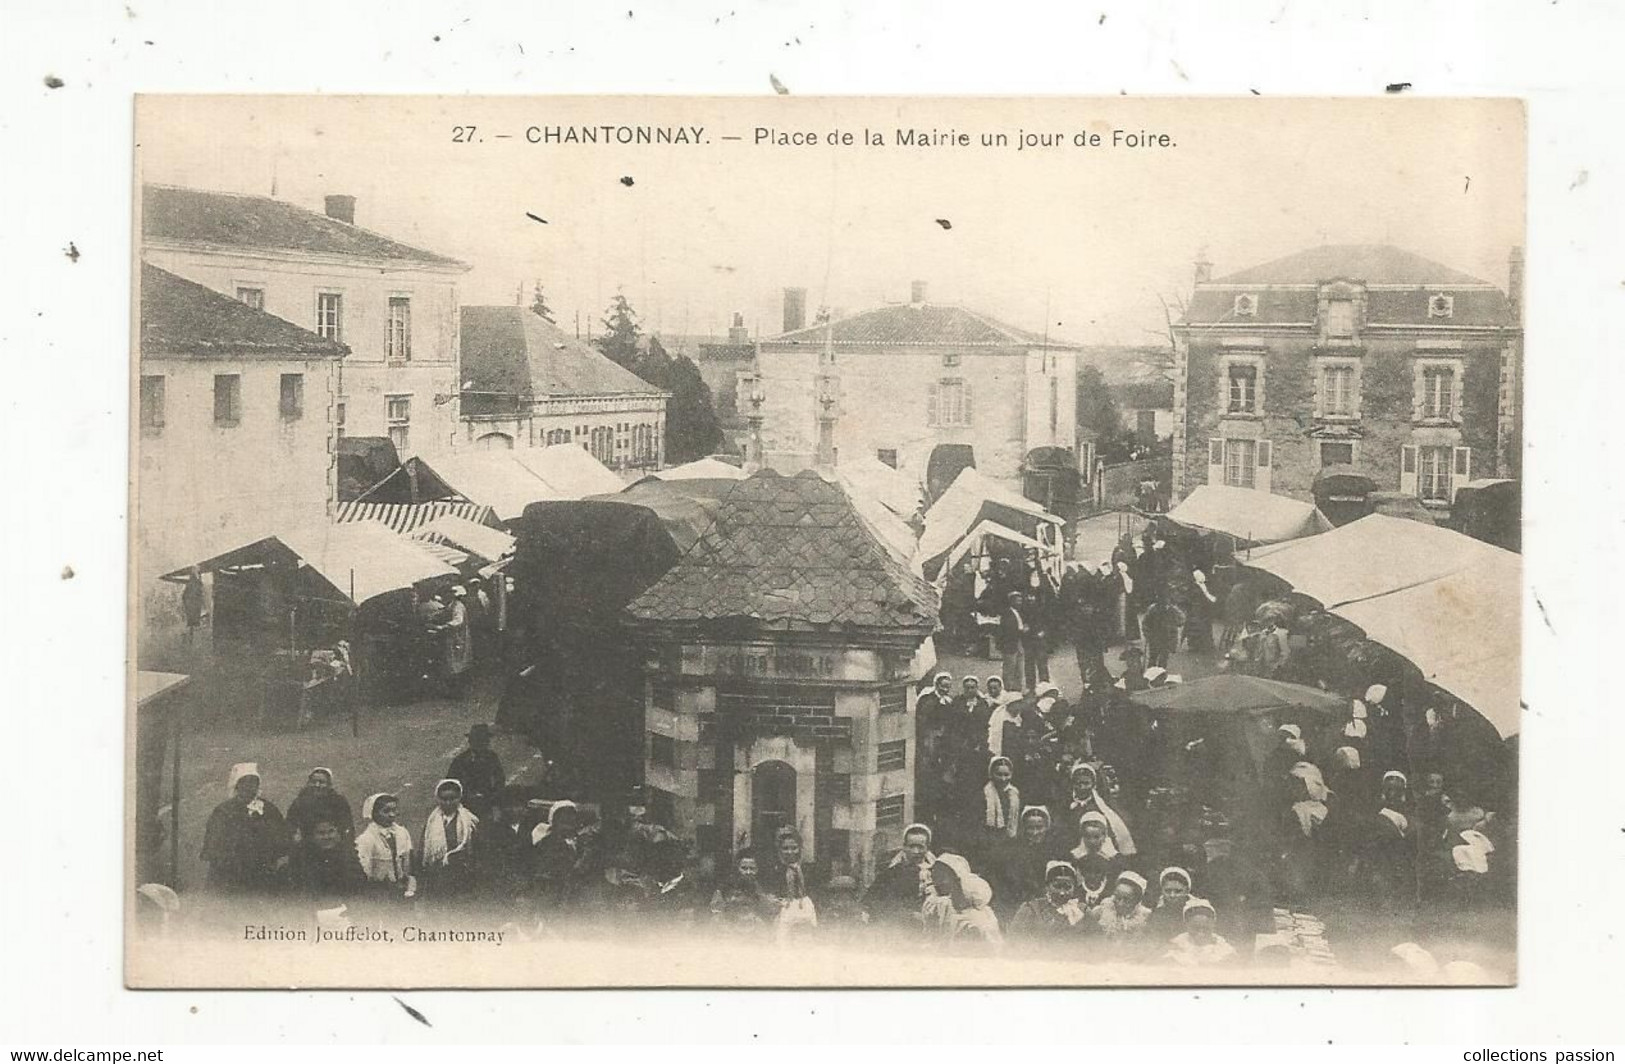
x: 488, y: 543
x: 364, y: 559
x: 509, y: 481
x: 1448, y: 602
x: 702, y: 469
x: 1248, y: 515
x: 965, y: 503
x: 989, y: 528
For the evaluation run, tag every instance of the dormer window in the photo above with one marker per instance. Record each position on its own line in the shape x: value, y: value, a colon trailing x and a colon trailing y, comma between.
x: 1340, y: 318
x: 1246, y: 306
x: 1441, y: 306
x: 950, y: 359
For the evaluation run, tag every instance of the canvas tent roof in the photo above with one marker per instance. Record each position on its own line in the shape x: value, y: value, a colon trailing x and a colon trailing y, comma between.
x: 1248, y: 515
x: 898, y: 492
x: 406, y: 518
x: 702, y: 469
x: 1231, y: 692
x: 1448, y: 602
x: 970, y: 499
x: 488, y: 543
x: 362, y: 555
x: 509, y: 481
x: 990, y: 528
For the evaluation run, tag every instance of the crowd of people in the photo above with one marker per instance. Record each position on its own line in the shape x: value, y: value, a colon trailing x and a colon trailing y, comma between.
x: 1062, y: 825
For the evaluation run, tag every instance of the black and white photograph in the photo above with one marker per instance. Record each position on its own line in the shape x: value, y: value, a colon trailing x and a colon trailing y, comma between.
x: 825, y: 542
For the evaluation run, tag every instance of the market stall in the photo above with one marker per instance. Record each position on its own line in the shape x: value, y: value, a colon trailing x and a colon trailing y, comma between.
x: 973, y: 499
x: 1247, y: 516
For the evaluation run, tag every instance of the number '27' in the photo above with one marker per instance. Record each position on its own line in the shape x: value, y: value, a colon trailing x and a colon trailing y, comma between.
x: 462, y: 134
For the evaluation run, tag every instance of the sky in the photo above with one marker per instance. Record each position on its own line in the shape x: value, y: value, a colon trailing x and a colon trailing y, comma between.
x: 1085, y: 243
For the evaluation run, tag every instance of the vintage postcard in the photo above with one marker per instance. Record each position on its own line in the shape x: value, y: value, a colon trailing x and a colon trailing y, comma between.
x: 824, y: 542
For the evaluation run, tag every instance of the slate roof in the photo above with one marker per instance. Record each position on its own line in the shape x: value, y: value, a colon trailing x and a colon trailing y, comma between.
x: 227, y: 219
x: 180, y: 318
x: 1371, y: 263
x: 512, y: 351
x: 1411, y: 280
x: 919, y: 324
x: 789, y: 554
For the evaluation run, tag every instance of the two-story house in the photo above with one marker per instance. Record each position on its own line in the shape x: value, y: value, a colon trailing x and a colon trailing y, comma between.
x: 236, y: 427
x: 528, y: 383
x: 1362, y: 356
x: 394, y: 306
x: 925, y: 387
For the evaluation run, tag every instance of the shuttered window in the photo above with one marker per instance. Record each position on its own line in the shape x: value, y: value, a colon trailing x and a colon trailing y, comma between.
x: 889, y: 811
x: 892, y: 755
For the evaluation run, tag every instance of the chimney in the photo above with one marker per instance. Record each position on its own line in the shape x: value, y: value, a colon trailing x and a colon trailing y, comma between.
x: 1515, y: 284
x: 341, y: 208
x: 795, y: 309
x: 1204, y: 268
x: 917, y: 293
x: 737, y: 333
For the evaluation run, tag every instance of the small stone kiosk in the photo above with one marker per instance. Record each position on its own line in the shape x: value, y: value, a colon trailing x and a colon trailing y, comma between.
x: 778, y: 681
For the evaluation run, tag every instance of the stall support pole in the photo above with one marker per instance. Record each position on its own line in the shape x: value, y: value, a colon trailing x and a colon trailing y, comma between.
x: 354, y: 685
x: 175, y: 800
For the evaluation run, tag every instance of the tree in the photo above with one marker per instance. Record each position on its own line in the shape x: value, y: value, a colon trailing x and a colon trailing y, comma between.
x: 1097, y: 412
x: 539, y: 307
x: 620, y: 340
x: 692, y: 430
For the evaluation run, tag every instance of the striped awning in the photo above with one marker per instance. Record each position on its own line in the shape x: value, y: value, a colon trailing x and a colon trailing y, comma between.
x: 450, y: 555
x: 406, y: 518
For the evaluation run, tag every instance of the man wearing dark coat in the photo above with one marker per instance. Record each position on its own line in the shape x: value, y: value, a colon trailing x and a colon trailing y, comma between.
x: 479, y: 770
x: 1014, y: 636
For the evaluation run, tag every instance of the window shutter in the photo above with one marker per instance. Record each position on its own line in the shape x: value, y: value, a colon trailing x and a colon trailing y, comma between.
x: 1263, y: 454
x: 1417, y: 402
x: 1462, y: 469
x: 1261, y: 475
x: 1215, y: 461
x: 1407, y: 469
x: 1321, y: 382
x: 965, y: 391
x: 931, y: 403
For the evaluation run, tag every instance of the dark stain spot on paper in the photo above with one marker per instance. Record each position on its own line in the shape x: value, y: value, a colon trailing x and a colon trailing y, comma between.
x: 1465, y: 188
x: 1102, y: 21
x: 778, y: 86
x: 53, y: 82
x: 945, y: 223
x: 627, y: 181
x: 1255, y: 92
x: 67, y: 572
x: 1544, y: 616
x: 1396, y: 86
x: 536, y: 218
x: 71, y: 251
x: 1580, y: 178
x: 414, y: 1013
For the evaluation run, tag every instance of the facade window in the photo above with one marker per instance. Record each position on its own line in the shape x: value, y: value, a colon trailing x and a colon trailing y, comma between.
x: 950, y: 360
x: 1441, y: 306
x: 1240, y: 462
x: 1438, y: 393
x: 1246, y: 306
x: 892, y: 755
x: 1336, y: 452
x: 292, y: 396
x: 949, y: 403
x: 557, y: 436
x: 398, y: 340
x: 330, y: 316
x: 339, y: 410
x: 251, y: 296
x: 662, y: 750
x: 398, y: 416
x: 887, y: 455
x: 1340, y: 318
x: 1337, y: 391
x: 152, y: 404
x: 1433, y: 473
x: 1243, y: 389
x: 889, y: 811
x: 228, y: 399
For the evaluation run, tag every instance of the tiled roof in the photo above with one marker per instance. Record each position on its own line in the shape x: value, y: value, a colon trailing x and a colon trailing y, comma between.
x: 922, y: 324
x: 225, y: 219
x: 1371, y: 263
x: 510, y: 350
x: 789, y: 554
x: 180, y: 318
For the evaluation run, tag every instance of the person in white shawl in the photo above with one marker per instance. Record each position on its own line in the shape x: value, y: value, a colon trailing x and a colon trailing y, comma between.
x: 1310, y: 809
x: 1199, y: 945
x: 1086, y: 798
x: 448, y: 842
x: 959, y: 909
x: 384, y: 845
x: 1001, y: 801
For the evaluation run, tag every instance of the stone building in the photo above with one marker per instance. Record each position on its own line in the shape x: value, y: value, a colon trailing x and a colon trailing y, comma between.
x: 1357, y: 356
x: 925, y: 387
x: 527, y: 383
x: 779, y: 690
x: 235, y: 439
x: 393, y: 306
x: 721, y: 364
